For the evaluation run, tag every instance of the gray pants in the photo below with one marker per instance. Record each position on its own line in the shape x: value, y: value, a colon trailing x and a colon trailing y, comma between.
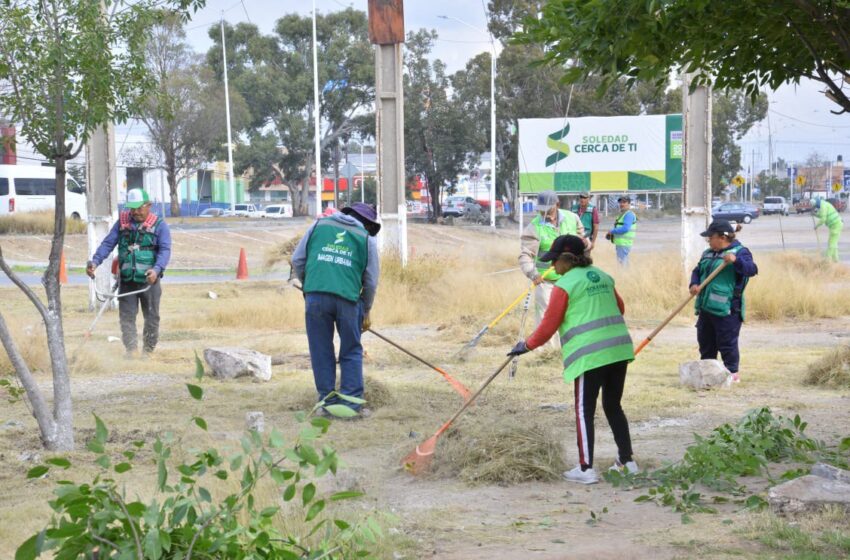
x: 128, y: 307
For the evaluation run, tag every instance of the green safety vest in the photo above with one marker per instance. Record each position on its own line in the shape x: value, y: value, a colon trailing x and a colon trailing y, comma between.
x: 136, y: 249
x: 586, y: 218
x: 593, y: 333
x: 625, y: 239
x: 829, y: 215
x: 547, y: 235
x: 336, y: 258
x: 716, y: 298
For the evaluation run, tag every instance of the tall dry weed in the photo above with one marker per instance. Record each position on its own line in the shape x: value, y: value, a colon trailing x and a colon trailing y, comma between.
x: 32, y: 344
x: 37, y: 223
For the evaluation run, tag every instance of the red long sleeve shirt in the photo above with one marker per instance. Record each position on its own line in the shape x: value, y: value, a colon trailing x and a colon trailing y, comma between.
x: 554, y: 316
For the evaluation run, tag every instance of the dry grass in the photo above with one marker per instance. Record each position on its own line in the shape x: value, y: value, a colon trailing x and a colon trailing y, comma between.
x: 831, y: 370
x: 32, y: 344
x: 37, y: 223
x: 504, y: 447
x: 282, y: 252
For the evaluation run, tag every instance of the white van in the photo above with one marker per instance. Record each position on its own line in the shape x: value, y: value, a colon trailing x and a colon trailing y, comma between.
x: 31, y: 188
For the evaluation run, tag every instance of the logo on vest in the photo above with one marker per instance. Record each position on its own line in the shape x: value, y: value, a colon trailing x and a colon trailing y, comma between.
x: 340, y: 237
x: 593, y: 276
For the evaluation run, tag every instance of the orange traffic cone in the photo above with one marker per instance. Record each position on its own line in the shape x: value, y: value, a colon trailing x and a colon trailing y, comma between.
x: 63, y: 274
x: 242, y: 269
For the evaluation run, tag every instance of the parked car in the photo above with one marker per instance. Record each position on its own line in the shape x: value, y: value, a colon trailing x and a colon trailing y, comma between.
x: 802, y: 205
x: 32, y: 188
x: 212, y: 213
x: 736, y: 211
x: 775, y: 205
x: 246, y: 211
x: 278, y: 211
x: 457, y: 206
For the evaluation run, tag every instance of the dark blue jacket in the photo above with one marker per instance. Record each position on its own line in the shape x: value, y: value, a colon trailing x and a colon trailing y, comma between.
x: 744, y: 266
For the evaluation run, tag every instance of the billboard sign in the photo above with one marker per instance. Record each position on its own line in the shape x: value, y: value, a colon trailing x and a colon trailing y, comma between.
x: 601, y: 154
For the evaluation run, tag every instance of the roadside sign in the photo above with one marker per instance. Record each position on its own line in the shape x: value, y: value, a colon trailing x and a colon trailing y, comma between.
x: 801, y: 180
x: 738, y: 181
x: 836, y: 187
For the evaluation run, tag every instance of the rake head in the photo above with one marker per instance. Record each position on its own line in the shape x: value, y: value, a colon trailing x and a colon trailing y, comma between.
x: 419, y: 460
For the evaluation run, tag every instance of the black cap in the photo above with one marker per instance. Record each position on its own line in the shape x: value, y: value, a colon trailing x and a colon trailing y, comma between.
x: 624, y: 198
x: 584, y: 195
x: 572, y: 244
x: 722, y: 227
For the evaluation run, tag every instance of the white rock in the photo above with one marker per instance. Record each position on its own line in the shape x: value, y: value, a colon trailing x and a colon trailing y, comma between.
x: 113, y: 339
x: 808, y: 493
x: 230, y: 362
x: 255, y: 420
x: 212, y: 295
x: 703, y: 374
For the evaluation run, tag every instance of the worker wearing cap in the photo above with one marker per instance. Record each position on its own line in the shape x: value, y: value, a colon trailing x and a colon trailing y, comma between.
x: 144, y: 249
x: 589, y: 216
x: 337, y: 264
x: 829, y: 216
x: 720, y: 305
x: 550, y: 223
x: 623, y: 234
x: 587, y: 313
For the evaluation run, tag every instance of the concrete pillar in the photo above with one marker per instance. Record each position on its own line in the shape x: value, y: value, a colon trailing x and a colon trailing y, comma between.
x: 101, y: 200
x: 696, y: 171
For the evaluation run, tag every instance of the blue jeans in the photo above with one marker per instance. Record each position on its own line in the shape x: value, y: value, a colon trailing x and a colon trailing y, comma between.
x: 623, y: 254
x: 323, y: 312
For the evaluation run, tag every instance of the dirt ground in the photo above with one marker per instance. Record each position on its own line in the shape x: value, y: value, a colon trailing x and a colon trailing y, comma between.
x: 433, y: 517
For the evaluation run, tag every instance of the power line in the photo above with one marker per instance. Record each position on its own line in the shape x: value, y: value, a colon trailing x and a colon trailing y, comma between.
x: 775, y: 112
x: 246, y: 12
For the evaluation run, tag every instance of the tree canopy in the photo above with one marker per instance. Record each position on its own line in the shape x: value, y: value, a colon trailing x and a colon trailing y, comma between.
x: 746, y: 45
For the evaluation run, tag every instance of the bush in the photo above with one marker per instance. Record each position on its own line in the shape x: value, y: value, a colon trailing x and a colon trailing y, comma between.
x: 185, y: 521
x: 37, y: 223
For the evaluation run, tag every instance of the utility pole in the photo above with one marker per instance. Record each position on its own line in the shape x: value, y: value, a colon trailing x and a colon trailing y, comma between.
x: 227, y: 116
x: 101, y: 202
x: 386, y: 31
x: 696, y: 170
x: 317, y: 110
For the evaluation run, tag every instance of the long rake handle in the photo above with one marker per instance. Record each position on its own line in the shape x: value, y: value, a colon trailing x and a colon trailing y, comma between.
x: 474, y: 396
x: 439, y: 370
x: 669, y: 318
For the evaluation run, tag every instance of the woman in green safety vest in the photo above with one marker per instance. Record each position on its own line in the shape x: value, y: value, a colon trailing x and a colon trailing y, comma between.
x: 587, y: 312
x: 720, y: 305
x: 828, y: 215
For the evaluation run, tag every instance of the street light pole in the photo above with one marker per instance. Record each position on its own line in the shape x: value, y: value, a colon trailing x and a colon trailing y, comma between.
x: 316, y: 120
x: 227, y: 116
x: 492, y: 119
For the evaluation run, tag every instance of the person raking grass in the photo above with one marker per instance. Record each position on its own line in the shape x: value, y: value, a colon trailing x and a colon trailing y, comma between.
x: 720, y: 305
x: 587, y: 312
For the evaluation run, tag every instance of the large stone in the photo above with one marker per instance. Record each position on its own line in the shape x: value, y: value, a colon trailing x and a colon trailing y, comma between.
x: 832, y: 473
x: 808, y: 493
x: 703, y: 374
x: 230, y: 363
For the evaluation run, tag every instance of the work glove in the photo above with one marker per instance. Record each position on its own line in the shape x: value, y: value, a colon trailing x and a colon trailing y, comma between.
x: 90, y: 268
x: 367, y: 323
x: 151, y: 276
x: 610, y: 237
x: 519, y: 349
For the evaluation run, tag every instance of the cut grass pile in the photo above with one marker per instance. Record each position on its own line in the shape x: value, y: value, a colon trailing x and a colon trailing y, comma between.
x: 832, y: 370
x: 37, y: 223
x: 282, y: 252
x: 505, y: 449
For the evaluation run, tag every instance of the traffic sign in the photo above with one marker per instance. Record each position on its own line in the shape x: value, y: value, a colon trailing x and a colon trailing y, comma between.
x: 738, y: 180
x: 801, y: 180
x: 836, y: 187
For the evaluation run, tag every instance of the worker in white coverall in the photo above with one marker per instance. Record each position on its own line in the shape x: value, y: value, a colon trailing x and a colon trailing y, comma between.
x: 550, y: 223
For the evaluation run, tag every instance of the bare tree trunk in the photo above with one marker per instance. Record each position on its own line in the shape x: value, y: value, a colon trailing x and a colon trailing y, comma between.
x: 171, y: 177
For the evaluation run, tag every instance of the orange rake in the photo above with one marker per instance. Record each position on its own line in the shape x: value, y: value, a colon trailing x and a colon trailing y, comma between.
x: 420, y: 458
x: 669, y: 318
x: 456, y: 385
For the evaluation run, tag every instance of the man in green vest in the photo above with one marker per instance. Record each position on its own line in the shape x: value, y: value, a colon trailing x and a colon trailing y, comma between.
x: 589, y: 216
x: 537, y: 238
x: 623, y: 234
x: 828, y: 215
x: 337, y: 263
x: 144, y: 249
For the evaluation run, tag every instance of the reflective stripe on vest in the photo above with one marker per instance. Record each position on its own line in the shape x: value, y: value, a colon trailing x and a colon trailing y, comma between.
x: 136, y: 247
x: 593, y: 333
x: 337, y: 254
x: 625, y: 239
x: 547, y: 234
x: 716, y: 298
x: 829, y: 215
x: 586, y: 218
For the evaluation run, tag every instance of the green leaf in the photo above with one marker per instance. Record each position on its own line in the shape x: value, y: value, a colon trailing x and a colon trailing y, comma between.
x: 100, y: 432
x: 161, y: 475
x: 308, y: 453
x: 31, y: 548
x: 269, y: 511
x: 315, y: 510
x: 152, y: 545
x: 103, y: 461
x: 204, y: 494
x: 346, y: 495
x: 307, y: 493
x: 37, y: 472
x: 355, y: 400
x: 60, y: 462
x: 196, y: 392
x: 289, y: 493
x: 200, y: 422
x: 341, y: 525
x: 199, y: 368
x: 123, y: 467
x: 276, y: 439
x: 341, y: 411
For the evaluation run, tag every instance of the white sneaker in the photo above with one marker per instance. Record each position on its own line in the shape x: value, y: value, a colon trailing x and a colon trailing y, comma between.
x: 630, y: 467
x: 582, y: 477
